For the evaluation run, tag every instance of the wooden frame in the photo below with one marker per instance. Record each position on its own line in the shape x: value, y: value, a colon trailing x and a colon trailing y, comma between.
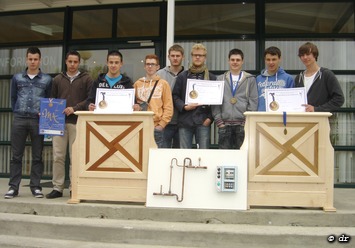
x: 295, y: 169
x: 110, y: 156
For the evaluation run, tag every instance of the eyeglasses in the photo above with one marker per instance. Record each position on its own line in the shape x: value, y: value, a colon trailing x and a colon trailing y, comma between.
x: 150, y: 64
x: 198, y: 55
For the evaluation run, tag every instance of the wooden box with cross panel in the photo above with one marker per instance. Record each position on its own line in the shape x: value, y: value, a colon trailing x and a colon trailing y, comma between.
x: 110, y: 156
x: 292, y: 168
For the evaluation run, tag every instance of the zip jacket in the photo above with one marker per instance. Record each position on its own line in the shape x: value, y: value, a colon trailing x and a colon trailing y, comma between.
x: 75, y: 92
x: 247, y: 100
x: 101, y: 82
x: 325, y: 94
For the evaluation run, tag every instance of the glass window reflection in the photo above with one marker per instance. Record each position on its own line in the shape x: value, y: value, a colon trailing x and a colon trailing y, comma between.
x: 31, y: 27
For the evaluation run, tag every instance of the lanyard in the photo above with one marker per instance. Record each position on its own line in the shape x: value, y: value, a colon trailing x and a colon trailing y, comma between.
x: 234, y: 89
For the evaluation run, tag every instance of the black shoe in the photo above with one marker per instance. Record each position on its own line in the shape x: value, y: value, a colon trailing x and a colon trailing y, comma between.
x: 37, y: 193
x: 11, y: 193
x: 54, y: 194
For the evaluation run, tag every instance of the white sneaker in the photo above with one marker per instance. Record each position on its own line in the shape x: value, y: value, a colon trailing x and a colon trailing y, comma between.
x: 11, y: 194
x: 37, y: 193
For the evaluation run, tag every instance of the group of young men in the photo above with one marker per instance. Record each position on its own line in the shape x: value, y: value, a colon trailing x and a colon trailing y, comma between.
x: 162, y: 91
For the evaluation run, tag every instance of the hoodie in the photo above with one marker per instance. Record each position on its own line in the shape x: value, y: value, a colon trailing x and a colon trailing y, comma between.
x: 277, y: 81
x: 101, y: 82
x: 325, y: 93
x: 247, y: 100
x: 161, y: 102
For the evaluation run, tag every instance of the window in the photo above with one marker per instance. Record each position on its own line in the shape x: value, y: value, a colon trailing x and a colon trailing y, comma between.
x: 13, y: 60
x: 335, y: 54
x: 90, y: 24
x: 211, y: 19
x: 137, y: 22
x: 217, y: 53
x: 31, y: 27
x: 337, y: 17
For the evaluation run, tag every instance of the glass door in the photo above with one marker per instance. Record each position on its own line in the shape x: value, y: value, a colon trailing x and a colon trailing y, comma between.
x: 94, y: 60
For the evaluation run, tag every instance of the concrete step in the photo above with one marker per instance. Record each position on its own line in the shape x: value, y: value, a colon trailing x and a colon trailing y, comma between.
x: 9, y: 241
x: 145, y: 232
x: 262, y: 216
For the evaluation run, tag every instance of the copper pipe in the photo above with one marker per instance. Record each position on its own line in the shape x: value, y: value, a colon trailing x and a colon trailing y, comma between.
x: 187, y: 164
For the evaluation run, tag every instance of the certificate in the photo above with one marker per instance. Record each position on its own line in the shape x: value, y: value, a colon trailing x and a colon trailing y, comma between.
x: 204, y: 92
x: 117, y: 101
x: 286, y: 100
x: 52, y: 118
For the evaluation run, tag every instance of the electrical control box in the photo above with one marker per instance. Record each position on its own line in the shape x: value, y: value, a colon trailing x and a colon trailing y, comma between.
x: 227, y: 178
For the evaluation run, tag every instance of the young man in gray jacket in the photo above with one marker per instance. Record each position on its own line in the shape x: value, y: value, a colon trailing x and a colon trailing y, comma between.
x: 169, y: 73
x: 240, y: 95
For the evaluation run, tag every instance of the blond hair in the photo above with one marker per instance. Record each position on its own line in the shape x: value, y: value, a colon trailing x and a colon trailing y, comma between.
x: 199, y: 46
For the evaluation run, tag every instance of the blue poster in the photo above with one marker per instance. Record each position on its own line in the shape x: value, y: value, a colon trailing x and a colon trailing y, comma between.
x: 52, y: 118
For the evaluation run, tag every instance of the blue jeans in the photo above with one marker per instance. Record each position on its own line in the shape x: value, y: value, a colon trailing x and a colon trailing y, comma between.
x: 158, y: 136
x: 21, y: 128
x: 171, y: 136
x: 230, y: 137
x: 202, y: 137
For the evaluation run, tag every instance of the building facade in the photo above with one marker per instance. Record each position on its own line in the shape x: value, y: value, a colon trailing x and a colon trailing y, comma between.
x: 138, y: 28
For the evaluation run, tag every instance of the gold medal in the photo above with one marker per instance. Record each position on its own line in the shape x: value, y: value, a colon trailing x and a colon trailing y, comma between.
x: 103, y: 103
x: 273, y: 105
x: 50, y: 104
x: 193, y: 94
x: 233, y: 100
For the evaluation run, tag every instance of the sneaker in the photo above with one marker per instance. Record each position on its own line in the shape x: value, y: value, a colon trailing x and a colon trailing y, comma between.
x: 54, y: 194
x: 37, y: 193
x: 11, y: 193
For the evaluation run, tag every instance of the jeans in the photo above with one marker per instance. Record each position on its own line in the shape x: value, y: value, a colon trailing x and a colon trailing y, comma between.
x: 158, y: 136
x: 21, y: 128
x: 230, y: 137
x: 202, y: 136
x: 171, y: 136
x: 60, y: 145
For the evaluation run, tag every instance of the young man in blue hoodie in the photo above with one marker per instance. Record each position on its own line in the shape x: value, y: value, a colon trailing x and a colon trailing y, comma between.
x: 273, y: 77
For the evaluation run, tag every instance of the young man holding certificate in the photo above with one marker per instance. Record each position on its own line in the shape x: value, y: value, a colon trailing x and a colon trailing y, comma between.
x: 240, y: 95
x: 113, y: 79
x: 273, y: 77
x: 73, y: 86
x: 26, y: 90
x: 193, y: 119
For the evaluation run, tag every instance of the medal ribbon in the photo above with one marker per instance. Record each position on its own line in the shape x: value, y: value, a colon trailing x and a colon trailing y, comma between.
x: 234, y: 89
x: 284, y: 118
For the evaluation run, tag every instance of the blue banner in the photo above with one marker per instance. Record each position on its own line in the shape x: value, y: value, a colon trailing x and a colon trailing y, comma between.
x: 52, y: 118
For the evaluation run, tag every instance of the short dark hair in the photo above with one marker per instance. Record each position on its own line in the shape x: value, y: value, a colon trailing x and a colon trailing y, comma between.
x: 308, y: 48
x: 236, y: 51
x: 114, y: 53
x: 273, y: 51
x: 73, y: 52
x: 33, y: 50
x: 176, y: 48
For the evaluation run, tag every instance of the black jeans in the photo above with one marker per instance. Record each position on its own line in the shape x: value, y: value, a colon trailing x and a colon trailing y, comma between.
x: 21, y: 128
x: 230, y: 137
x: 171, y: 136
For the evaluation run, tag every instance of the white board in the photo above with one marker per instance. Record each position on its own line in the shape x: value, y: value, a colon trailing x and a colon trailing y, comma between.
x: 200, y: 189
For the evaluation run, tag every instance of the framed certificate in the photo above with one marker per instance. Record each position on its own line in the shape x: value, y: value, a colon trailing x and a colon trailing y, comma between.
x: 52, y: 118
x: 285, y: 100
x: 204, y: 92
x: 118, y: 101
